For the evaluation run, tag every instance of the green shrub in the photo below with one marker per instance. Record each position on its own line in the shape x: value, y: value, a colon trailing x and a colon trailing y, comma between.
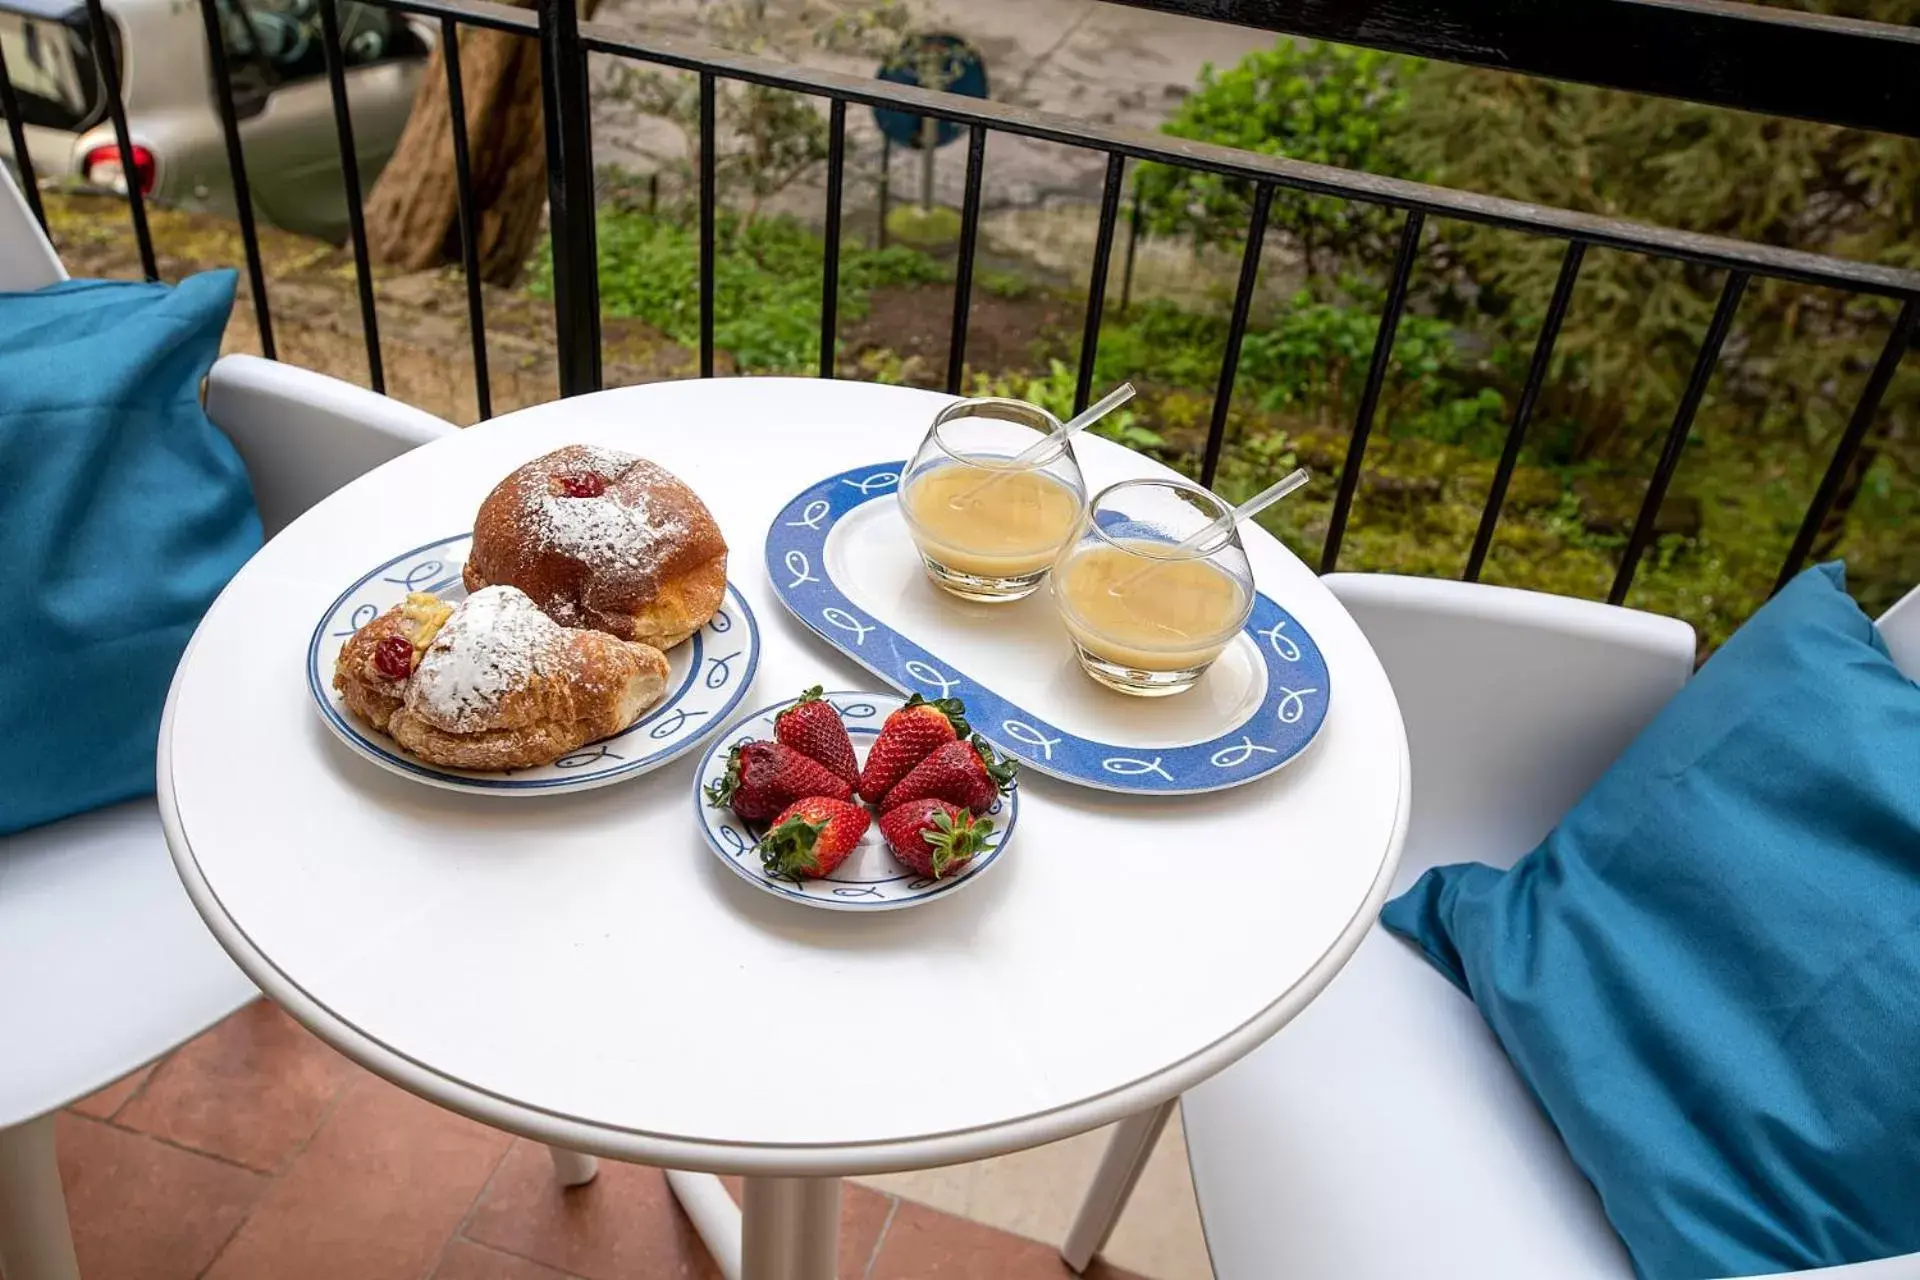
x: 1312, y: 359
x: 1324, y: 103
x: 1309, y: 360
x: 1053, y: 391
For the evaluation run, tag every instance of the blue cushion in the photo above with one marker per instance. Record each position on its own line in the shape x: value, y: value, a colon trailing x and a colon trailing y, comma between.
x: 1709, y: 973
x: 123, y: 511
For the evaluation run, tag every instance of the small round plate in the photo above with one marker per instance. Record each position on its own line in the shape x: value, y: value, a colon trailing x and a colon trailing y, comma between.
x: 870, y: 879
x: 707, y: 676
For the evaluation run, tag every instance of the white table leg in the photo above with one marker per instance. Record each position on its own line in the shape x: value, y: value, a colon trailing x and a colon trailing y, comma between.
x: 790, y: 1229
x: 576, y: 1169
x: 1113, y: 1182
x: 35, y: 1243
x: 785, y: 1229
x: 715, y: 1216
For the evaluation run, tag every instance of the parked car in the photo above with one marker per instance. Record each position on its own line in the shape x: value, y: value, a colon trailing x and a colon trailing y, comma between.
x: 278, y: 65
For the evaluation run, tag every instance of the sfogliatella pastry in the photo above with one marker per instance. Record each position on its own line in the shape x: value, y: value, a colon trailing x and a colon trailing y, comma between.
x: 603, y: 539
x: 378, y: 660
x: 499, y: 686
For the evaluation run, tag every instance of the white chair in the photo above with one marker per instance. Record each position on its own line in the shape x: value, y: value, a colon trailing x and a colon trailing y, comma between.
x: 104, y: 964
x: 303, y: 434
x: 27, y: 261
x: 1383, y: 1133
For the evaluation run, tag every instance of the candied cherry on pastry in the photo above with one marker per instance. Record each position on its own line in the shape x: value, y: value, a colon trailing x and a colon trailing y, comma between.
x: 583, y: 484
x: 393, y: 657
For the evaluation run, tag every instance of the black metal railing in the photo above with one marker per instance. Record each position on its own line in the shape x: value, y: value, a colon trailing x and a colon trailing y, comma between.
x: 1833, y: 70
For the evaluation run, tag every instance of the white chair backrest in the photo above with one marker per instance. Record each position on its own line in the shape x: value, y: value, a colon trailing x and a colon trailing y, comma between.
x: 1900, y: 628
x: 27, y: 261
x: 1515, y: 703
x: 303, y: 434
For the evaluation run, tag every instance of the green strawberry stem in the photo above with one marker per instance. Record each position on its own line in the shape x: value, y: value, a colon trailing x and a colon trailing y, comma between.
x: 999, y: 768
x: 787, y: 849
x: 952, y: 708
x: 721, y: 792
x: 816, y: 694
x: 953, y: 842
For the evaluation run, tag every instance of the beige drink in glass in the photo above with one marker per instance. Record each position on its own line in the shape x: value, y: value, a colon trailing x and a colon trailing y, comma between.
x: 1147, y: 615
x: 988, y: 524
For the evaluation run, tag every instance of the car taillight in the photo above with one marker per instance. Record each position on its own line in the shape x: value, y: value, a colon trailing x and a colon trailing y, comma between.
x: 102, y: 165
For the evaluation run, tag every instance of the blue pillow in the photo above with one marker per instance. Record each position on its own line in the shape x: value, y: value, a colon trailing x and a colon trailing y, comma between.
x: 123, y: 511
x: 1709, y: 973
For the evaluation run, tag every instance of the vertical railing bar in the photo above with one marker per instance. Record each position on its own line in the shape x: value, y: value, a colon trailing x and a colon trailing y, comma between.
x: 576, y: 262
x: 1523, y: 414
x: 708, y: 197
x: 17, y: 130
x: 830, y: 264
x: 1133, y: 243
x: 237, y: 169
x: 1370, y: 396
x: 350, y: 179
x: 109, y: 62
x: 883, y: 201
x: 469, y: 219
x: 963, y: 272
x: 1097, y: 282
x: 1236, y: 332
x: 1851, y: 439
x: 1676, y: 442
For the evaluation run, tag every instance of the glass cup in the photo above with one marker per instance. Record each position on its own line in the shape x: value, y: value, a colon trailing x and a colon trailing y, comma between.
x: 988, y: 524
x: 1147, y: 614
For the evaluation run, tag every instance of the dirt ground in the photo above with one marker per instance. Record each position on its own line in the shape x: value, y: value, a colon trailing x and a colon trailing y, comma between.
x: 425, y: 342
x: 916, y: 324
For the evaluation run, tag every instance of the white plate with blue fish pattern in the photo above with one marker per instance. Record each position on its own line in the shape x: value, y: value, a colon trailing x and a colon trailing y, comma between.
x: 840, y: 559
x: 707, y: 676
x: 870, y: 879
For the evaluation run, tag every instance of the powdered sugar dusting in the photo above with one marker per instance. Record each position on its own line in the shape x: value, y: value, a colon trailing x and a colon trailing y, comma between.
x: 614, y: 530
x: 495, y: 642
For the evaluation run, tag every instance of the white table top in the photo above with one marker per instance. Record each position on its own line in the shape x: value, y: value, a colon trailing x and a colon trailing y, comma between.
x: 580, y: 969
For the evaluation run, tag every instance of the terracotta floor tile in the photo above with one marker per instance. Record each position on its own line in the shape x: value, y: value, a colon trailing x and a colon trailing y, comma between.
x: 863, y: 1214
x: 142, y: 1210
x: 379, y: 1189
x: 925, y: 1244
x: 468, y: 1261
x: 102, y: 1104
x: 252, y: 1089
x: 624, y: 1225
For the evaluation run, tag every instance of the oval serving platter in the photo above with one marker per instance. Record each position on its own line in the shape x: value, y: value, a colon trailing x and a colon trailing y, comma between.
x: 839, y: 558
x: 707, y: 676
x: 870, y: 879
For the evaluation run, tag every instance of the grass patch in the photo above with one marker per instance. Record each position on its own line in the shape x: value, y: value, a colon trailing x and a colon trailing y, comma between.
x: 767, y: 283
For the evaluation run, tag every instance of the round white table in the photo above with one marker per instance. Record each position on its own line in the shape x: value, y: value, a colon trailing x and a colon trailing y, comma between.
x: 580, y: 969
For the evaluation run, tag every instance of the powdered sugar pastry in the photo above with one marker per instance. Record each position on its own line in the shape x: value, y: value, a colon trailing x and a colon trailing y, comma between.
x: 495, y: 642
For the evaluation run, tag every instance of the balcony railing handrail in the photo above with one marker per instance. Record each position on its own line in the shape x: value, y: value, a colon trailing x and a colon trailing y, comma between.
x: 1782, y: 62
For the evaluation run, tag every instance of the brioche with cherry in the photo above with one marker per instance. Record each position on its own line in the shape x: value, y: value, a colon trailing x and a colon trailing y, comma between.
x: 603, y: 539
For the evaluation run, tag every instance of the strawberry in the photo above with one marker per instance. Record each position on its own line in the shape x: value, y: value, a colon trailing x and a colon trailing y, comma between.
x: 909, y: 736
x: 934, y: 838
x: 812, y: 727
x: 965, y: 773
x: 765, y: 777
x: 811, y: 837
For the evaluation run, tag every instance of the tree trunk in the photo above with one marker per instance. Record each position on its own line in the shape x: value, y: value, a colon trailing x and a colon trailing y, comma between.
x: 413, y: 213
